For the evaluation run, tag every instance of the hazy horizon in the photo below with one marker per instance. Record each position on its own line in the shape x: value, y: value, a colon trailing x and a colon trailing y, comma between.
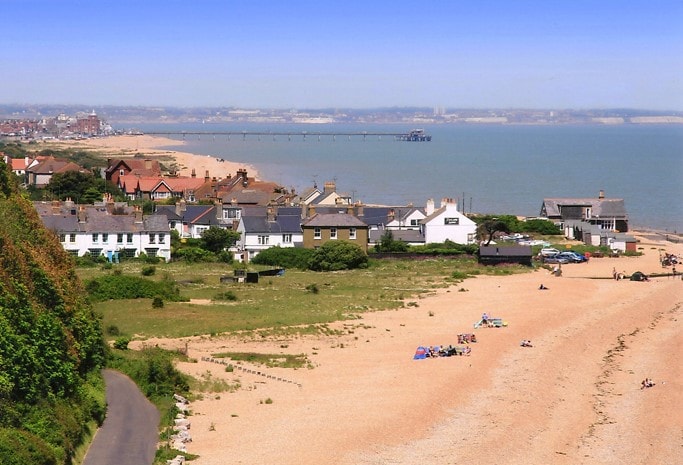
x: 356, y: 55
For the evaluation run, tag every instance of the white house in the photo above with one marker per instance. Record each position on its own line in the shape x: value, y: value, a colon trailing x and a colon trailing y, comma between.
x: 447, y: 223
x: 108, y: 229
x: 261, y: 232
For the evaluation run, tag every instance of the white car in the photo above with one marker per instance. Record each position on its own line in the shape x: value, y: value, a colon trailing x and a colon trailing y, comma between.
x: 549, y: 252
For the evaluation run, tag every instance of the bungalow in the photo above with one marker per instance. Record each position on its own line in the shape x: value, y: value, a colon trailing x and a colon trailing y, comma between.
x: 40, y: 174
x: 106, y: 229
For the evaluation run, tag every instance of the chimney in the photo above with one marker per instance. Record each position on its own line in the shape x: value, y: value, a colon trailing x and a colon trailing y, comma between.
x: 360, y: 211
x: 180, y: 207
x: 391, y: 215
x: 56, y: 207
x: 311, y: 210
x: 148, y: 164
x: 349, y: 210
x: 109, y: 203
x: 138, y: 214
x: 601, y: 194
x: 206, y: 176
x: 429, y: 209
x: 82, y: 216
x: 194, y: 173
x: 68, y: 203
x: 330, y: 187
x: 233, y: 201
x: 271, y: 214
x: 219, y: 209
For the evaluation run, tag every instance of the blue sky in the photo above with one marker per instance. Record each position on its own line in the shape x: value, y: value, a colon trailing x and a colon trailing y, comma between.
x: 359, y: 54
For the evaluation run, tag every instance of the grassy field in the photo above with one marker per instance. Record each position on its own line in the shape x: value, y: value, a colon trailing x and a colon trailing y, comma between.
x: 297, y: 302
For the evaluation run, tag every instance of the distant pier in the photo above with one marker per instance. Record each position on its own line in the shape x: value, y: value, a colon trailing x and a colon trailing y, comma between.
x: 416, y: 135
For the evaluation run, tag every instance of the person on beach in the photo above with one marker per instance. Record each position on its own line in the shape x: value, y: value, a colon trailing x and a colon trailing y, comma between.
x: 542, y: 288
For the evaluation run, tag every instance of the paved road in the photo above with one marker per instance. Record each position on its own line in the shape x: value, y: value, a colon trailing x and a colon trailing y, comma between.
x: 130, y: 431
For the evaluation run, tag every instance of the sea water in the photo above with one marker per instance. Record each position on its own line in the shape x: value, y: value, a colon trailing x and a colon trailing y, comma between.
x: 486, y: 168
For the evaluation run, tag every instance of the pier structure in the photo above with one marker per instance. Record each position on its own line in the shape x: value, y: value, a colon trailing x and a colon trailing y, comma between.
x: 416, y: 135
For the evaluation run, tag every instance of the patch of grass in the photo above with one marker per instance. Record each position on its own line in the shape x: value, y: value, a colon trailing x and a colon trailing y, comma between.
x: 279, y: 307
x: 207, y: 383
x: 269, y: 360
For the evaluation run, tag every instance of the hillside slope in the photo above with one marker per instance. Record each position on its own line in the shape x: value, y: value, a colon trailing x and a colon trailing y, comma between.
x: 51, y: 346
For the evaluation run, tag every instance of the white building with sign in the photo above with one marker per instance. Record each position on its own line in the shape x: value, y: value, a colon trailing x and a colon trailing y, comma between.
x: 447, y: 223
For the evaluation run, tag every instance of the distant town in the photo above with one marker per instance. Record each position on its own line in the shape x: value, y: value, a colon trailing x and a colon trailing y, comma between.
x: 67, y: 121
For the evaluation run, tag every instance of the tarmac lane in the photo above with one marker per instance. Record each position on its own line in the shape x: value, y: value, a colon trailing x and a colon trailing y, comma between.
x: 130, y: 430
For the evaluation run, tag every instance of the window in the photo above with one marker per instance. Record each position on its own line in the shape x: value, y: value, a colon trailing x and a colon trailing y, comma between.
x: 129, y: 238
x: 95, y: 237
x: 162, y: 238
x: 119, y: 238
x: 263, y: 240
x: 317, y: 233
x: 413, y: 222
x: 231, y: 214
x: 94, y: 253
x: 151, y: 252
x: 151, y: 239
x: 333, y: 233
x: 62, y: 238
x: 352, y: 233
x: 286, y: 238
x: 72, y: 238
x: 105, y: 237
x: 122, y: 172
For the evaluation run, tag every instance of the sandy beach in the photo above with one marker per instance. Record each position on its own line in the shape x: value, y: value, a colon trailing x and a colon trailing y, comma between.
x: 154, y: 147
x: 575, y: 397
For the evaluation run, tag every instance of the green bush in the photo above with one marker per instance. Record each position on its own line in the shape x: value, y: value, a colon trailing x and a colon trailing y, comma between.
x: 158, y: 302
x: 19, y: 447
x: 194, y: 255
x: 285, y: 257
x: 121, y: 343
x: 130, y: 287
x: 338, y: 255
x: 227, y: 295
x: 148, y: 270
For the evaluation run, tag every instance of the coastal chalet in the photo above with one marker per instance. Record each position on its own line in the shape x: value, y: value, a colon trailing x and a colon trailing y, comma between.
x: 607, y: 214
x: 109, y: 229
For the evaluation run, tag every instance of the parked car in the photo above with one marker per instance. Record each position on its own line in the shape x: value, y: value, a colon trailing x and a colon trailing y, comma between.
x: 555, y: 259
x: 573, y: 257
x: 549, y: 251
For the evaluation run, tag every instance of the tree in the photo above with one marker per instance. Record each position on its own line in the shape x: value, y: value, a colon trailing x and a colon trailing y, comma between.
x: 217, y: 239
x: 491, y: 227
x: 387, y: 243
x: 338, y: 255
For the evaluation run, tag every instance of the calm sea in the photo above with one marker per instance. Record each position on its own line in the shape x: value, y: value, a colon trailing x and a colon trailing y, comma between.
x: 495, y: 169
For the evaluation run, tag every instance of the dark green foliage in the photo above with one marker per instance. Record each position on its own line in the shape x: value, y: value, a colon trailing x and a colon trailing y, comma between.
x: 158, y: 302
x: 152, y: 370
x: 148, y: 270
x: 218, y: 239
x: 194, y: 255
x: 515, y: 225
x: 50, y: 341
x: 285, y: 257
x: 19, y: 447
x: 227, y: 295
x: 312, y: 288
x: 121, y: 343
x: 446, y: 248
x: 131, y: 287
x: 338, y: 255
x: 387, y: 243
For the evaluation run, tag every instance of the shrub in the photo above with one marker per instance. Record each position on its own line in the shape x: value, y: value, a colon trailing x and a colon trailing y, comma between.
x: 227, y: 295
x: 130, y: 287
x: 312, y: 288
x: 158, y: 302
x: 121, y: 343
x: 194, y: 255
x: 338, y: 255
x: 113, y: 330
x: 148, y: 270
x: 286, y: 257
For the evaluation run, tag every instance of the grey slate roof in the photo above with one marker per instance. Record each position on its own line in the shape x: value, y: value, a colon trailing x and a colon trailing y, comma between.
x: 603, y: 208
x: 282, y: 224
x: 334, y: 220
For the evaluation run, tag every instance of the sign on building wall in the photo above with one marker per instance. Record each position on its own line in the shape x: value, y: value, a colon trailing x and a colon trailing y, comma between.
x: 451, y: 221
